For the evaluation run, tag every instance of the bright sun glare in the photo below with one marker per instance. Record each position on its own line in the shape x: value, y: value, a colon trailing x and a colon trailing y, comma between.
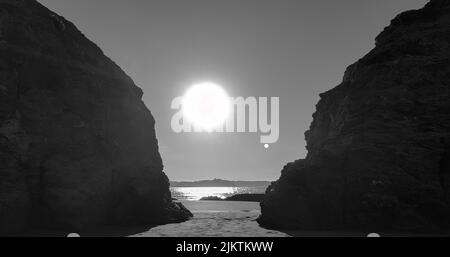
x: 206, y: 106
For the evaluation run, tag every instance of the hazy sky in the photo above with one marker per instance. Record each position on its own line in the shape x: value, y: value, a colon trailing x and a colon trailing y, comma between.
x: 291, y: 49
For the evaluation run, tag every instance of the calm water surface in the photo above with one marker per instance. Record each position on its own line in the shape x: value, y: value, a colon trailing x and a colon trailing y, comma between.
x: 196, y: 193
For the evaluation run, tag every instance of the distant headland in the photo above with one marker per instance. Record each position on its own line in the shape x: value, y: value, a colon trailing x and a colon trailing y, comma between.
x: 219, y: 183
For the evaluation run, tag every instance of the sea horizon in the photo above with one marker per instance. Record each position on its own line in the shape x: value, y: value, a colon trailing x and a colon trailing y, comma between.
x: 197, y: 193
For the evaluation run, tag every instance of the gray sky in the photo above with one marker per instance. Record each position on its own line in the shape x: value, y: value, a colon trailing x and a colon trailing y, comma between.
x: 294, y: 49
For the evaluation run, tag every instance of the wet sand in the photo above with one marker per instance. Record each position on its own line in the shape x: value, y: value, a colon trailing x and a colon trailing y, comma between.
x: 216, y: 219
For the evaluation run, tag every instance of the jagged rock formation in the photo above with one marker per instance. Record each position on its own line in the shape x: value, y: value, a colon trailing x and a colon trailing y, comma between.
x: 77, y: 145
x: 378, y: 147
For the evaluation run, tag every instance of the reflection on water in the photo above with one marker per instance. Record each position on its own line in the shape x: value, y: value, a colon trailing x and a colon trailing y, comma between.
x: 196, y: 193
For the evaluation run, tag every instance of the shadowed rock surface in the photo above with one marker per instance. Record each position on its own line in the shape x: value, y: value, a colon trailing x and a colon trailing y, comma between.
x: 237, y: 197
x: 77, y: 144
x: 378, y: 146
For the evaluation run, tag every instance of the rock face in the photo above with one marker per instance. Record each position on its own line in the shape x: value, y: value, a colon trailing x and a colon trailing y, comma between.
x: 77, y: 144
x: 379, y: 144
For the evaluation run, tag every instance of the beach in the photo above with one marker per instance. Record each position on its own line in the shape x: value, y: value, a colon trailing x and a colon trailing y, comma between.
x: 216, y: 219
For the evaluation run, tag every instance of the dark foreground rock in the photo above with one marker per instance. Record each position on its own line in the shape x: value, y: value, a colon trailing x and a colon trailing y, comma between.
x: 77, y: 144
x: 379, y: 145
x: 246, y: 197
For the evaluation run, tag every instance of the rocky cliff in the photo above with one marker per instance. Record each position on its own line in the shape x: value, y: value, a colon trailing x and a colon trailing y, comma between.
x: 77, y: 144
x: 379, y: 144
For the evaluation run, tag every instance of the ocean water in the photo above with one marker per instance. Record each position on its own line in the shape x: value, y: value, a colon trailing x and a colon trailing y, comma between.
x: 196, y: 193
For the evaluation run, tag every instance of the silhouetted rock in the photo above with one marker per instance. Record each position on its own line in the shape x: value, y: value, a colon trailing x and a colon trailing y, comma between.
x: 237, y: 197
x: 378, y: 147
x: 77, y: 144
x: 211, y: 198
x: 246, y: 197
x: 178, y: 211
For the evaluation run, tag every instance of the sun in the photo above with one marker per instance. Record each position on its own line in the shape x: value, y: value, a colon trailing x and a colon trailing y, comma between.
x: 206, y: 105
